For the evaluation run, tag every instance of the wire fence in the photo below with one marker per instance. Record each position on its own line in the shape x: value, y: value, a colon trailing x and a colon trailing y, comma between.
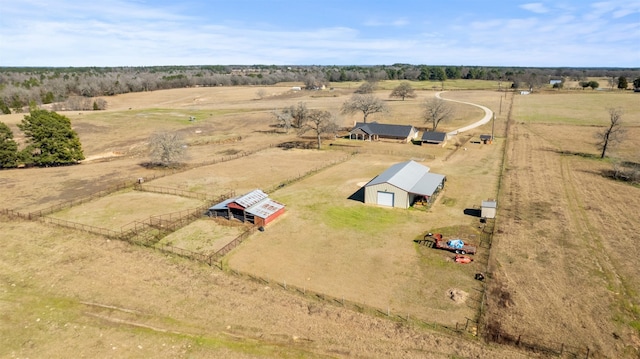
x: 150, y: 232
x: 307, y: 174
x: 171, y: 191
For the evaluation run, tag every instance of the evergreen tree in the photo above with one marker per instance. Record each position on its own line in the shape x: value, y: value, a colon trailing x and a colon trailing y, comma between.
x: 622, y: 83
x: 51, y: 140
x: 4, y: 108
x: 8, y: 147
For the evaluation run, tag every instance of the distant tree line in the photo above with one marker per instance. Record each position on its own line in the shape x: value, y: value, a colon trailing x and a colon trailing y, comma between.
x: 21, y: 86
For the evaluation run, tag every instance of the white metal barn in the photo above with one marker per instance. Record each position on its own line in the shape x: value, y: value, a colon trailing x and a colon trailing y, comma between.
x: 403, y: 184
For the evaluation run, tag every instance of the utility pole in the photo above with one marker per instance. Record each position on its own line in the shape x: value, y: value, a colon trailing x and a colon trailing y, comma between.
x: 493, y: 126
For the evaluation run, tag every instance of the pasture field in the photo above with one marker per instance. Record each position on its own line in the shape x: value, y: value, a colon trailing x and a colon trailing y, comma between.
x: 203, y: 236
x: 566, y: 234
x: 119, y: 210
x: 555, y: 273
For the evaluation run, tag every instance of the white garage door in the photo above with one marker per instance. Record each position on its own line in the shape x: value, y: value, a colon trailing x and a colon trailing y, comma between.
x: 385, y: 199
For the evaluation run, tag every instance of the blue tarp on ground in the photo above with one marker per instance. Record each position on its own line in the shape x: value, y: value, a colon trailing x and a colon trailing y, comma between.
x: 455, y: 243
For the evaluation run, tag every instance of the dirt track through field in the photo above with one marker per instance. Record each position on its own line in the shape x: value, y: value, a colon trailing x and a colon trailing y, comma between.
x: 553, y: 262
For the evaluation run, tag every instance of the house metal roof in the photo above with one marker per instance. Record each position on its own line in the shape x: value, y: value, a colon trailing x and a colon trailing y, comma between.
x: 381, y: 129
x: 430, y: 136
x: 410, y: 176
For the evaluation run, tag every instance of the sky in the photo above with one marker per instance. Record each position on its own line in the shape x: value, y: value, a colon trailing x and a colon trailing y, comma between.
x: 557, y: 33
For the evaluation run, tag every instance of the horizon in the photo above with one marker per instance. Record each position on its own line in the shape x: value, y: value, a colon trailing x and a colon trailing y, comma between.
x: 132, y: 33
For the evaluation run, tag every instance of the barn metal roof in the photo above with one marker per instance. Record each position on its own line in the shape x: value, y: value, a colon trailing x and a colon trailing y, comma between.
x: 255, y: 202
x: 265, y: 208
x: 410, y: 176
x: 251, y: 198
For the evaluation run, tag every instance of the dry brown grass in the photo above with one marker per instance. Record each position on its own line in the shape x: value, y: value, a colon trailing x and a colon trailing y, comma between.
x: 554, y: 258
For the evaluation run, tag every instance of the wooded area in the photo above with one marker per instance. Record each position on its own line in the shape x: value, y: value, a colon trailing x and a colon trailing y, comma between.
x: 73, y: 88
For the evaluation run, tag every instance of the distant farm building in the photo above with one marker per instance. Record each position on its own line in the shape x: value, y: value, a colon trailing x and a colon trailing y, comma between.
x: 435, y: 138
x: 402, y: 185
x: 488, y: 208
x: 554, y: 82
x: 254, y: 207
x: 486, y: 139
x: 375, y: 131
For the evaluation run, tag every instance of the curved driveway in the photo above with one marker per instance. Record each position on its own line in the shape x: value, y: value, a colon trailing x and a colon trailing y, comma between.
x: 488, y: 114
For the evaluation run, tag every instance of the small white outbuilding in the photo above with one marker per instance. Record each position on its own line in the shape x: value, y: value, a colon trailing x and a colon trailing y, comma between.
x: 488, y: 208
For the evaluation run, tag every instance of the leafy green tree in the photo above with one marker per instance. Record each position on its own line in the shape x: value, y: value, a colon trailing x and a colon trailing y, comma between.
x: 8, y: 147
x: 403, y: 90
x: 622, y: 83
x: 50, y: 139
x: 594, y: 85
x: 636, y: 83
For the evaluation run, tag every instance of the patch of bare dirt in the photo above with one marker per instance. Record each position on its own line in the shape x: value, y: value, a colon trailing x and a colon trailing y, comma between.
x: 458, y: 296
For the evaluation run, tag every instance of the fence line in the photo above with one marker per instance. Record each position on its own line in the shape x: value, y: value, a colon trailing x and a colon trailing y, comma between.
x: 146, y: 235
x: 170, y: 191
x: 307, y: 174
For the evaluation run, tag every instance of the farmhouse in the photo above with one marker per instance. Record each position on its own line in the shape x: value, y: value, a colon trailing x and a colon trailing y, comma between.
x: 402, y: 185
x: 254, y: 207
x: 375, y: 131
x: 432, y: 137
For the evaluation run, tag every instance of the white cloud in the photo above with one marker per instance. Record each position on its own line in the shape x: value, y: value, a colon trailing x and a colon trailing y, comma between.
x: 536, y: 7
x: 377, y: 22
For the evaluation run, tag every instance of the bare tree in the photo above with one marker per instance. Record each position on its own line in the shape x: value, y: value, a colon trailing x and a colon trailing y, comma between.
x: 403, y: 90
x: 261, y: 93
x: 321, y: 123
x: 167, y: 148
x: 298, y: 114
x: 435, y: 111
x: 283, y: 119
x: 367, y: 104
x: 611, y: 135
x: 367, y: 87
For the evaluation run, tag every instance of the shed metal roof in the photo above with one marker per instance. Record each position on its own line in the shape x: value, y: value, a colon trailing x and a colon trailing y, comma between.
x: 489, y: 204
x: 431, y: 136
x: 411, y: 177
